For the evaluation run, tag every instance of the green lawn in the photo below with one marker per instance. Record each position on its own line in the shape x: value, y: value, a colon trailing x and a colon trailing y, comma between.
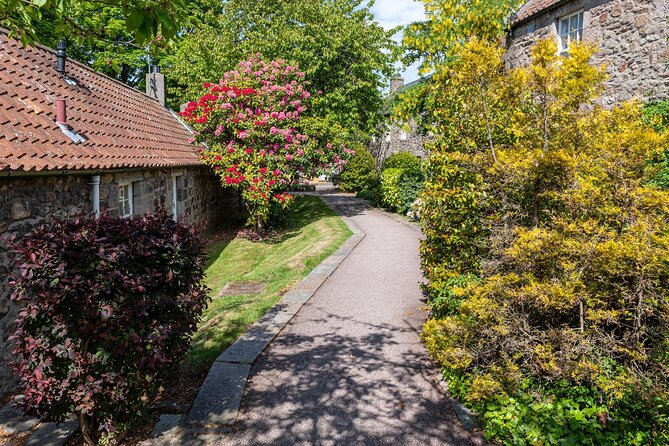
x: 313, y: 233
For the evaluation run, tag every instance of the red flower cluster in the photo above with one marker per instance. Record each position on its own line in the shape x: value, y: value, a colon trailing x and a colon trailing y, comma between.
x: 251, y: 124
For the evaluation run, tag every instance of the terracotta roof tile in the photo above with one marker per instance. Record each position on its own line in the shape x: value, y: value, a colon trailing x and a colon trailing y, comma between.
x: 532, y: 8
x: 124, y: 128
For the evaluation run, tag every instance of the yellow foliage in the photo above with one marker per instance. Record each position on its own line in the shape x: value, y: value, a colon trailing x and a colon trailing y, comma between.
x: 573, y: 246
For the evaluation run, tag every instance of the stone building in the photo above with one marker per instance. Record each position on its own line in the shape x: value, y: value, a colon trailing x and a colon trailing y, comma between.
x: 396, y: 138
x: 74, y: 141
x: 632, y: 36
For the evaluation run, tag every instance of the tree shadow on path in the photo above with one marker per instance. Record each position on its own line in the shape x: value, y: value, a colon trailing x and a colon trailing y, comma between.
x: 373, y: 387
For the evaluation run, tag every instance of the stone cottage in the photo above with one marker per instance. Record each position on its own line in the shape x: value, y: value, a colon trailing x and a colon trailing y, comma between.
x: 396, y: 138
x: 633, y: 40
x: 75, y: 141
x: 632, y: 36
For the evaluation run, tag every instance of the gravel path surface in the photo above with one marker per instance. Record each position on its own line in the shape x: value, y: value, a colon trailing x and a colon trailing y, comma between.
x: 350, y: 369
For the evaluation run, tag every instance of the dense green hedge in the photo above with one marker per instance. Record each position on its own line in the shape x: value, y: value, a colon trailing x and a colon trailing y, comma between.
x: 360, y: 173
x: 400, y: 187
x: 402, y: 160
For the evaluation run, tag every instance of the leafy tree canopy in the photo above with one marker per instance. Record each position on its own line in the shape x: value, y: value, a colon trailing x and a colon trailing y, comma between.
x: 343, y: 52
x: 437, y: 43
x: 144, y: 20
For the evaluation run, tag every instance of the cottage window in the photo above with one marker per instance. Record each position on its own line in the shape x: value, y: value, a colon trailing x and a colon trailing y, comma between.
x: 178, y: 196
x: 570, y: 29
x: 125, y: 200
x: 403, y: 135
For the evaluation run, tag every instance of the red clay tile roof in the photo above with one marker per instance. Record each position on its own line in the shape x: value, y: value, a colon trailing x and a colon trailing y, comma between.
x: 532, y: 8
x: 124, y: 127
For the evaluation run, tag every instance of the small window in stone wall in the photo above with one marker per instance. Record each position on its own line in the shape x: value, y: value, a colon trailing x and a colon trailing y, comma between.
x: 403, y: 135
x: 125, y: 200
x: 570, y: 29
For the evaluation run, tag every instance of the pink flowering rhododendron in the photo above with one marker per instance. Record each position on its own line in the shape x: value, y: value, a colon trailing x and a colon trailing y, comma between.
x: 252, y: 123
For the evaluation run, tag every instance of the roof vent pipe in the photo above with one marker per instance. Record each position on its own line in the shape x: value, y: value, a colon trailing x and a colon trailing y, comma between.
x: 61, y: 55
x: 61, y: 111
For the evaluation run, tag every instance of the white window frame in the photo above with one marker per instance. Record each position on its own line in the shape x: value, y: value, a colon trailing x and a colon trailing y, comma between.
x: 122, y: 201
x: 404, y: 135
x: 175, y: 174
x: 175, y: 217
x: 570, y: 34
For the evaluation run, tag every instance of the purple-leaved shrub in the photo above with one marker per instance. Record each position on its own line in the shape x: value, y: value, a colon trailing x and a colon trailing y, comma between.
x: 108, y: 307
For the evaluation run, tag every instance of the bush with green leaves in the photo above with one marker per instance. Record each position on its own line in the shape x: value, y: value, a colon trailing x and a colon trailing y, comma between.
x: 657, y: 115
x: 390, y: 188
x: 400, y: 188
x: 360, y: 173
x: 402, y: 160
x: 108, y: 308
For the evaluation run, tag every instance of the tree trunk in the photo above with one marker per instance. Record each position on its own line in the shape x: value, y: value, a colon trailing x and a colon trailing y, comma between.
x: 89, y: 428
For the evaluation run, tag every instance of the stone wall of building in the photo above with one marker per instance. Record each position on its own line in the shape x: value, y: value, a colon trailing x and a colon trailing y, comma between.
x: 632, y: 37
x: 26, y: 201
x: 397, y: 139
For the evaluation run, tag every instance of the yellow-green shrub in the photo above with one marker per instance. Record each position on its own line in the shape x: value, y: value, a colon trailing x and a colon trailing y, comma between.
x: 390, y: 188
x: 548, y: 251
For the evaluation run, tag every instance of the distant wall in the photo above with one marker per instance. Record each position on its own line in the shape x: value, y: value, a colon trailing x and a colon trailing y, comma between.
x: 26, y: 201
x: 632, y: 37
x: 397, y: 139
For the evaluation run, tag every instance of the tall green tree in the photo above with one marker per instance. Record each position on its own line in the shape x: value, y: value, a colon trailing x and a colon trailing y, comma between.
x: 145, y: 20
x: 343, y: 51
x: 98, y: 35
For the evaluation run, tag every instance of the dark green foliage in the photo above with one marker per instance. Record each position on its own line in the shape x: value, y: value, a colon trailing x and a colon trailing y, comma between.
x: 564, y: 414
x: 411, y: 185
x: 108, y: 309
x: 366, y: 195
x: 402, y: 160
x: 657, y: 115
x: 360, y: 173
x: 402, y: 180
x: 400, y: 187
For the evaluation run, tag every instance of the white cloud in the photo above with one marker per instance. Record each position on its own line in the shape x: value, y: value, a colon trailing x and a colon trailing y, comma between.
x: 392, y: 13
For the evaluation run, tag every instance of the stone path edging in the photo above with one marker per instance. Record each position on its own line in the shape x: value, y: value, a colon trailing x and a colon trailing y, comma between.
x: 216, y: 406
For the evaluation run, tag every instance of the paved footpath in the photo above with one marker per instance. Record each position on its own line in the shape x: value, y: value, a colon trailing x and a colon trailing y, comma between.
x: 350, y: 369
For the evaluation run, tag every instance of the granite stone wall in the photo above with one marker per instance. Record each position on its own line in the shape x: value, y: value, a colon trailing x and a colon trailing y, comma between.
x: 632, y: 37
x: 397, y: 139
x: 26, y: 201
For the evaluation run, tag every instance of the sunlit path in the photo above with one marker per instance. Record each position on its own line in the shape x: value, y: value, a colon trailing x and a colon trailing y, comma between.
x: 350, y: 367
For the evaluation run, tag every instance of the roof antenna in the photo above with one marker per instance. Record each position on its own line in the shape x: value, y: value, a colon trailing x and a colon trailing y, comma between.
x: 61, y: 56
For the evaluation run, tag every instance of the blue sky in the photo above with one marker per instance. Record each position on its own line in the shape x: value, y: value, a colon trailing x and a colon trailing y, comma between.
x: 391, y: 13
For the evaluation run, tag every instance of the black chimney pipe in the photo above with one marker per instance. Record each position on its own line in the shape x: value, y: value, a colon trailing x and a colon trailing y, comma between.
x: 61, y: 54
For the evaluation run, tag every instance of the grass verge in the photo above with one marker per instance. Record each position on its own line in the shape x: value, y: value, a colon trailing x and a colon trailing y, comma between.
x: 275, y: 265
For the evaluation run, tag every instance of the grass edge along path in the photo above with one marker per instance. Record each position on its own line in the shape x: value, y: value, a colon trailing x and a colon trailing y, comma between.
x: 274, y: 265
